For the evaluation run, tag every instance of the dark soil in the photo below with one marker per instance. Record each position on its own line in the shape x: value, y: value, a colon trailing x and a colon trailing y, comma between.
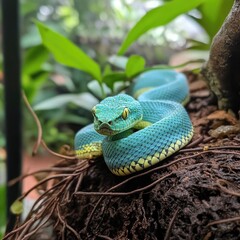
x: 194, y: 194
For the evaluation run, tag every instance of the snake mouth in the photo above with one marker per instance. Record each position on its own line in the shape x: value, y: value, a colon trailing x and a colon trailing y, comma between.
x: 106, y: 131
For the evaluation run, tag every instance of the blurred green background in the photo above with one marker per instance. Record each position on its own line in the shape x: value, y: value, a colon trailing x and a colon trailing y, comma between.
x: 62, y: 96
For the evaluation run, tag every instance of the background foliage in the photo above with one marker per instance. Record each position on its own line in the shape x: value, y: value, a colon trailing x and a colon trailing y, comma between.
x: 111, y: 73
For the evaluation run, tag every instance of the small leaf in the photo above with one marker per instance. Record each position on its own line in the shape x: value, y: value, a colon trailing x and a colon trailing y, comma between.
x: 135, y: 65
x: 67, y: 53
x: 194, y: 44
x: 17, y: 207
x: 31, y: 84
x: 84, y: 100
x: 156, y: 17
x: 111, y: 78
x: 107, y: 70
x: 33, y: 64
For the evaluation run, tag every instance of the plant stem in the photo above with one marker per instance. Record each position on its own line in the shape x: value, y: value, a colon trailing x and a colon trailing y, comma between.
x: 102, y: 90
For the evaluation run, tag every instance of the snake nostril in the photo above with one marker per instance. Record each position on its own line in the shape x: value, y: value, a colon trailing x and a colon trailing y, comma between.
x: 110, y: 122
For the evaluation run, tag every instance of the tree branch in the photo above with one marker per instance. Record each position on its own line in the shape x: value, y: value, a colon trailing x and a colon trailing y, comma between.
x: 222, y: 71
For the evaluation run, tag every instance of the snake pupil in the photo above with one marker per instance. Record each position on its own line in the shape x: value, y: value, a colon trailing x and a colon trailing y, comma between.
x: 125, y: 113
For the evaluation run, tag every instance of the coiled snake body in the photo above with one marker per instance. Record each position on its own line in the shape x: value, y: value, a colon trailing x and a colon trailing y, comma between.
x: 134, y: 134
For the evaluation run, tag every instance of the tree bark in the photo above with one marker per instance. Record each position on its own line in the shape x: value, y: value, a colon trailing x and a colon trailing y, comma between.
x: 222, y: 71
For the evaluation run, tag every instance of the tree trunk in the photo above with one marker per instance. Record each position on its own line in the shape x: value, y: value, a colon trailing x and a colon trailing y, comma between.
x: 222, y: 71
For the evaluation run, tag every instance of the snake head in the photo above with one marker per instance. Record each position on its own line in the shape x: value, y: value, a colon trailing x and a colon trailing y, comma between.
x: 116, y: 114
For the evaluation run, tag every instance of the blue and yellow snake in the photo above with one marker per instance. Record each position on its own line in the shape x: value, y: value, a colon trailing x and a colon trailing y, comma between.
x: 133, y: 135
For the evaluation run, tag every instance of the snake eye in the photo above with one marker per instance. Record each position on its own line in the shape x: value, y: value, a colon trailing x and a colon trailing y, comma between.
x: 94, y: 111
x: 125, y: 113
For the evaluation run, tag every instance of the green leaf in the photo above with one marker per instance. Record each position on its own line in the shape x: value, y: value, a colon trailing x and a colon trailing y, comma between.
x: 158, y: 17
x: 213, y: 14
x: 111, y: 78
x: 34, y: 59
x: 67, y: 53
x: 17, y: 207
x: 84, y: 100
x: 197, y: 45
x: 134, y: 65
x: 107, y: 70
x: 28, y: 7
x: 31, y: 84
